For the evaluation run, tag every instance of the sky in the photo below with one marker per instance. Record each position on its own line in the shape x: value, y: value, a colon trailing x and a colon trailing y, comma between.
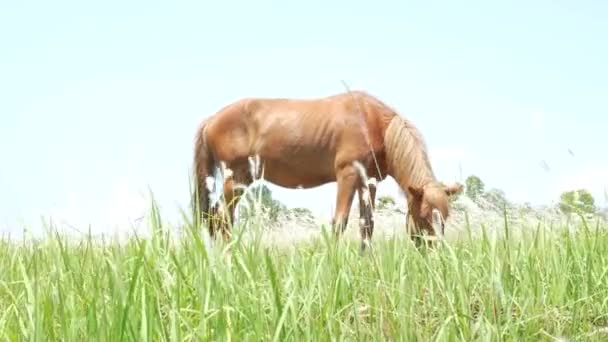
x: 100, y: 101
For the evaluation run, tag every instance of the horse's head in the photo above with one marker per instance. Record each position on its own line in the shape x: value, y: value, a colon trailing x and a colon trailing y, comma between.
x: 429, y: 207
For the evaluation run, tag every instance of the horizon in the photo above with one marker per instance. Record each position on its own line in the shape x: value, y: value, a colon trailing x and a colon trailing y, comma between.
x: 101, y: 101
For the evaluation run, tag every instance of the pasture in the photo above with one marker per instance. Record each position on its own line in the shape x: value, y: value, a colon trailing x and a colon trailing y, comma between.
x: 100, y: 102
x: 523, y: 280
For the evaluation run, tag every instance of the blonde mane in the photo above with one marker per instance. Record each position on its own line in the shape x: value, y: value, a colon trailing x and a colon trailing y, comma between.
x: 406, y: 154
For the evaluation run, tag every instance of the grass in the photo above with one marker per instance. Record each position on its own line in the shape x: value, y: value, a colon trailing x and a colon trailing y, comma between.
x: 543, y: 285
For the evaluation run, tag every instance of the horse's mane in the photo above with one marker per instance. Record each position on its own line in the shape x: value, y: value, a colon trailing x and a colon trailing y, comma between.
x: 406, y: 150
x: 406, y: 154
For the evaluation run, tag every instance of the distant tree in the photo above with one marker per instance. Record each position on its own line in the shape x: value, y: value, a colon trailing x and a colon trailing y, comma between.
x: 385, y: 202
x: 474, y: 187
x: 301, y: 212
x: 262, y: 195
x: 526, y: 208
x: 496, y: 197
x: 580, y: 201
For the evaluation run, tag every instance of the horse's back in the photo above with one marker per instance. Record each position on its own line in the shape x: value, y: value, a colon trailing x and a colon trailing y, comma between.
x: 306, y: 138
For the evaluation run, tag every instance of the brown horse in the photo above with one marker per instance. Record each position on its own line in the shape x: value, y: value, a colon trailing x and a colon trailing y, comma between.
x: 351, y: 138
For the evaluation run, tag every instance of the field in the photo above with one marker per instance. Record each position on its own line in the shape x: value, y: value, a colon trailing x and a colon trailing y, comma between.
x: 522, y: 280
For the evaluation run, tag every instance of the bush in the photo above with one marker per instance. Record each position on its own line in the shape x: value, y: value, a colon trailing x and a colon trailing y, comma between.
x: 577, y: 201
x: 385, y: 202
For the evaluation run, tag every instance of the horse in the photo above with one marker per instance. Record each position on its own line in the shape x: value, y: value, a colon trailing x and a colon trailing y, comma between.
x: 351, y: 138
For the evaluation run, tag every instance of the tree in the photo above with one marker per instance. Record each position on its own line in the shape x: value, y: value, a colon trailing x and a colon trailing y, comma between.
x: 497, y: 197
x: 579, y: 201
x: 474, y: 187
x: 301, y: 212
x: 262, y: 195
x: 385, y: 202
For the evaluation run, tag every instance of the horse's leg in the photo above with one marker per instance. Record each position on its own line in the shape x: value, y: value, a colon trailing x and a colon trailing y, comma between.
x: 347, y: 180
x: 229, y: 199
x: 234, y: 187
x: 214, y: 222
x: 413, y: 231
x: 367, y: 199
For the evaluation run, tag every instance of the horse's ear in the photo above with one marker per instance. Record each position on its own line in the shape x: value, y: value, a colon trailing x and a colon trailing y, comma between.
x: 454, y: 188
x: 416, y: 192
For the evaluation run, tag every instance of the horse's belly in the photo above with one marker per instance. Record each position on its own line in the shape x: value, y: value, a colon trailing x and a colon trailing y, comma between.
x: 296, y: 158
x: 288, y: 174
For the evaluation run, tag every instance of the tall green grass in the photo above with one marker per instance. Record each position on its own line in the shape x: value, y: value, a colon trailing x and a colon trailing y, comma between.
x: 543, y: 285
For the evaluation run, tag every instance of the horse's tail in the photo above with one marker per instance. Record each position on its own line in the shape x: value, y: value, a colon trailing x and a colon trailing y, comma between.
x: 204, y: 165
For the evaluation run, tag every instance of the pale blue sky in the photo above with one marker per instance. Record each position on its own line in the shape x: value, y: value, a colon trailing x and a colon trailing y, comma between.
x: 100, y: 100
